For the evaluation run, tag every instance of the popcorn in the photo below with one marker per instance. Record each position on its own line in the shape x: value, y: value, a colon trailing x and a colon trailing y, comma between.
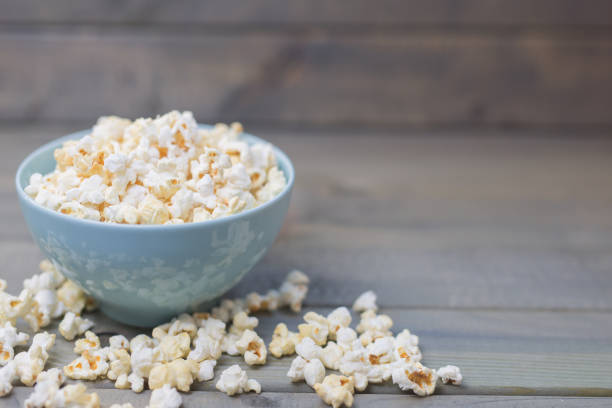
x: 175, y: 346
x: 308, y: 349
x: 255, y: 302
x: 365, y: 301
x: 91, y: 365
x: 337, y: 319
x: 14, y: 307
x: 252, y: 347
x: 184, y: 323
x: 312, y: 371
x: 331, y: 355
x: 450, y: 374
x: 206, y: 370
x: 9, y: 338
x: 48, y: 384
x: 179, y: 373
x: 142, y: 360
x: 165, y: 397
x: 7, y: 375
x: 316, y: 327
x: 242, y: 322
x: 346, y: 338
x: 336, y: 390
x: 120, y: 365
x: 234, y: 380
x: 373, y: 326
x: 206, y: 346
x: 89, y: 343
x: 158, y: 171
x: 141, y: 341
x: 29, y: 364
x: 119, y: 342
x: 293, y: 291
x: 418, y: 378
x: 72, y: 297
x: 283, y: 341
x: 75, y: 396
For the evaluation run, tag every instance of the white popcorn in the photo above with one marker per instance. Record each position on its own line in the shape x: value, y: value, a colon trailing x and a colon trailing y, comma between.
x: 72, y: 297
x: 183, y: 323
x: 179, y: 373
x: 365, y: 301
x: 119, y: 366
x: 206, y: 370
x: 14, y: 307
x: 337, y: 319
x: 416, y: 377
x: 142, y: 360
x: 206, y: 346
x: 316, y: 327
x: 175, y: 346
x: 283, y: 341
x: 331, y: 355
x: 234, y: 380
x: 293, y: 291
x: 242, y: 322
x: 75, y: 396
x: 9, y: 338
x: 346, y: 338
x: 354, y: 363
x: 336, y: 390
x: 165, y: 397
x: 161, y: 170
x: 29, y: 364
x: 373, y: 326
x: 308, y: 349
x: 135, y: 381
x: 90, y: 342
x: 256, y: 303
x: 314, y: 372
x: 450, y: 374
x: 119, y: 342
x: 141, y: 341
x: 7, y: 376
x: 252, y: 347
x: 381, y: 351
x: 48, y: 384
x: 296, y: 370
x: 91, y: 365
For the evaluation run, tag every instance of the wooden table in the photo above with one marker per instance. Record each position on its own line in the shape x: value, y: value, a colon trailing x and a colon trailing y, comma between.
x: 495, y: 248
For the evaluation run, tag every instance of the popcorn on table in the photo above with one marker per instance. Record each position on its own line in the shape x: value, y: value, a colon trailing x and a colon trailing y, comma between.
x: 9, y: 338
x: 234, y: 380
x: 165, y: 397
x: 336, y: 390
x: 450, y: 374
x: 162, y: 170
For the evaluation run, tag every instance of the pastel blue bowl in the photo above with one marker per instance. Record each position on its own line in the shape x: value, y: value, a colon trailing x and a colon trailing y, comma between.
x: 143, y: 275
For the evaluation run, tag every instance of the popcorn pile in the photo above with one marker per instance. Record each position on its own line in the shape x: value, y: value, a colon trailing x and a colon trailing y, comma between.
x: 158, y: 171
x: 186, y: 349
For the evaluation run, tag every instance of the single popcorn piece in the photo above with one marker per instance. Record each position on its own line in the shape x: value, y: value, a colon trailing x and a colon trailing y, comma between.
x: 162, y: 170
x: 331, y: 355
x: 207, y: 345
x: 179, y: 373
x: 257, y: 303
x: 311, y: 371
x: 184, y: 323
x: 90, y: 342
x: 91, y: 365
x: 416, y: 377
x: 9, y: 338
x: 316, y: 327
x: 450, y: 374
x: 293, y: 291
x: 120, y: 365
x: 234, y: 381
x: 119, y: 342
x: 143, y: 359
x: 142, y: 341
x: 365, y: 301
x: 346, y: 338
x: 47, y: 386
x: 252, y: 347
x: 72, y: 297
x: 283, y: 341
x: 14, y: 307
x: 29, y: 364
x: 165, y: 397
x: 336, y: 390
x: 373, y: 326
x: 337, y: 319
x: 7, y: 376
x: 175, y: 346
x: 242, y: 322
x: 308, y: 349
x: 75, y: 396
x: 206, y: 370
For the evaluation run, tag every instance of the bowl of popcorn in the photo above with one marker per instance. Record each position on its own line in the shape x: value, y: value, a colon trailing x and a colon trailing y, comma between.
x: 155, y: 216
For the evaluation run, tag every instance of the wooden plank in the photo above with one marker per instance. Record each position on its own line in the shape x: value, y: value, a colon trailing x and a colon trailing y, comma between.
x: 297, y: 400
x: 502, y: 223
x: 396, y: 80
x: 499, y: 352
x: 266, y: 12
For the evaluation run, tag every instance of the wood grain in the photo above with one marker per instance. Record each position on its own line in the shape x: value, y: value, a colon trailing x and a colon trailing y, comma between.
x: 265, y: 12
x: 395, y: 80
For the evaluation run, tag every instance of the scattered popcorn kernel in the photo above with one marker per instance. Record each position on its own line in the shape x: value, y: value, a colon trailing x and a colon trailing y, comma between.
x: 136, y: 382
x: 206, y: 346
x: 90, y: 342
x: 119, y: 365
x: 418, y: 378
x: 252, y: 347
x: 9, y: 338
x: 75, y: 396
x: 175, y: 346
x: 293, y: 291
x: 283, y: 341
x: 165, y: 397
x: 178, y: 373
x: 206, y: 370
x: 296, y: 370
x: 142, y: 360
x: 365, y: 301
x: 47, y: 386
x: 29, y: 364
x: 142, y: 341
x: 242, y: 322
x: 337, y: 319
x: 234, y: 380
x: 331, y: 355
x: 91, y: 365
x: 72, y: 296
x: 7, y: 376
x: 373, y: 326
x: 316, y: 327
x: 119, y: 342
x: 256, y: 302
x: 184, y: 323
x: 314, y: 372
x: 308, y: 349
x: 346, y: 338
x: 336, y: 390
x: 14, y: 307
x: 450, y: 374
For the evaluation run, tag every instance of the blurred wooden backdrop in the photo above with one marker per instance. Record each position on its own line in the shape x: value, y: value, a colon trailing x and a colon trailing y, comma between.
x: 316, y: 63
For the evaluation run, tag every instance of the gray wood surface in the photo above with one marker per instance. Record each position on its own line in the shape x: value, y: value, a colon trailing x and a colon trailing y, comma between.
x: 319, y: 79
x: 253, y: 12
x: 493, y: 248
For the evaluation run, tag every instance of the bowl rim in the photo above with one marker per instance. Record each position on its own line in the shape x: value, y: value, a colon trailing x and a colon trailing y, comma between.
x: 287, y: 167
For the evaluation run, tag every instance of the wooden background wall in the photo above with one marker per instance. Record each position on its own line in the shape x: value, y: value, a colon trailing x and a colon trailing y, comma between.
x: 312, y: 63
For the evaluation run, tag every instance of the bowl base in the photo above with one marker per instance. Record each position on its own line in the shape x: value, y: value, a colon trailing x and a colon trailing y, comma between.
x: 136, y: 318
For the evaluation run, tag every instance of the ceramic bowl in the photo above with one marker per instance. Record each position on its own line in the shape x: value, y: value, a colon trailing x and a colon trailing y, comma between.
x: 143, y: 275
